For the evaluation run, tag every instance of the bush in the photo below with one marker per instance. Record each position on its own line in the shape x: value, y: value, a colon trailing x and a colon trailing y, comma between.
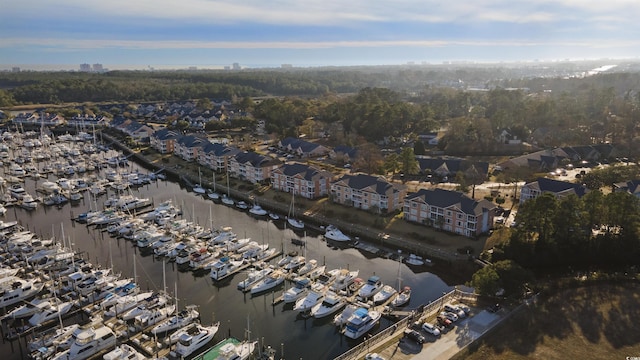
x: 488, y: 198
x: 500, y: 200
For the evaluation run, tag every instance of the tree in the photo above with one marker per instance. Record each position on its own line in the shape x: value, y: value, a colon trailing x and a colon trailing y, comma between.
x: 486, y: 281
x: 369, y: 159
x: 392, y: 163
x: 204, y: 104
x: 409, y: 163
x: 512, y: 276
x: 418, y: 148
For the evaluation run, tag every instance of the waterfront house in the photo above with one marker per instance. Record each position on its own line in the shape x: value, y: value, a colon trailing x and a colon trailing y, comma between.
x: 307, y: 181
x: 365, y: 192
x: 451, y: 211
x: 188, y: 147
x: 164, y: 140
x: 216, y: 156
x: 556, y: 187
x: 252, y: 167
x: 303, y: 148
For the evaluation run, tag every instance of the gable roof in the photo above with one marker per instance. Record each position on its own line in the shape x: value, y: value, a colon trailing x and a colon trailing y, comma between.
x: 218, y: 149
x: 304, y: 146
x: 166, y: 134
x: 305, y: 171
x: 190, y: 141
x: 557, y: 186
x: 447, y: 199
x: 363, y: 182
x: 255, y: 159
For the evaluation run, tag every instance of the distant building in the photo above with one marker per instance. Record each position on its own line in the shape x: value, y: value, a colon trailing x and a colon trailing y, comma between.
x: 98, y: 68
x: 236, y: 66
x: 85, y: 67
x: 307, y: 181
x: 559, y: 189
x: 15, y: 69
x: 363, y: 191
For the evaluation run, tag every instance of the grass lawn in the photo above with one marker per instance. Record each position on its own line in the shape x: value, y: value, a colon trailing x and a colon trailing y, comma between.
x: 591, y: 322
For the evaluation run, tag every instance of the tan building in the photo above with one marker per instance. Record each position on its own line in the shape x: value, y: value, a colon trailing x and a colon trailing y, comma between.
x: 365, y: 192
x: 307, y: 181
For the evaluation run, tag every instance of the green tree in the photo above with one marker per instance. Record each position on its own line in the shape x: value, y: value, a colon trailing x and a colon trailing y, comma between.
x: 409, y: 163
x: 418, y: 148
x: 512, y: 276
x: 486, y: 281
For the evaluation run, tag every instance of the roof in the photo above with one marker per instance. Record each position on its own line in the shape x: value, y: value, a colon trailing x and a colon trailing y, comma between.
x: 255, y: 159
x: 557, y: 186
x: 447, y: 198
x: 218, y: 149
x: 192, y: 141
x: 166, y: 134
x: 364, y: 181
x: 347, y: 150
x: 452, y: 165
x: 297, y: 169
x: 304, y: 146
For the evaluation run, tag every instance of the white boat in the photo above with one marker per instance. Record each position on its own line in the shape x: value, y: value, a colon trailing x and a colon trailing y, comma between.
x: 88, y: 343
x: 333, y: 233
x: 148, y: 304
x: 273, y: 216
x: 341, y: 318
x: 153, y: 316
x: 257, y: 210
x: 28, y: 202
x: 385, y: 294
x: 180, y: 320
x: 307, y: 267
x: 50, y: 187
x: 213, y: 195
x: 3, y: 210
x: 125, y: 303
x: 269, y: 282
x: 370, y: 288
x: 28, y: 309
x: 295, y: 263
x: 17, y: 191
x: 345, y: 278
x: 50, y: 312
x: 286, y: 259
x: 50, y: 338
x: 415, y: 260
x: 253, y: 277
x: 198, y: 189
x: 240, y: 351
x: 227, y: 200
x: 196, y: 338
x: 291, y: 218
x: 123, y: 352
x: 19, y: 290
x: 361, y: 321
x: 313, y: 298
x: 224, y: 267
x: 331, y: 304
x: 242, y: 205
x: 403, y: 297
x: 298, y: 290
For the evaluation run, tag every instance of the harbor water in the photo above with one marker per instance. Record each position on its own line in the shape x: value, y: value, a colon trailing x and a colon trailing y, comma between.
x: 240, y: 314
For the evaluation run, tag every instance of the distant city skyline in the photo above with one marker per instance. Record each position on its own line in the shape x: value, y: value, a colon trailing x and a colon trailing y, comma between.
x: 136, y: 34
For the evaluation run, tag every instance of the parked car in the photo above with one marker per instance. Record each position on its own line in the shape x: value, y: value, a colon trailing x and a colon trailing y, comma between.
x: 415, y: 336
x: 430, y: 329
x: 373, y: 356
x: 449, y: 315
x: 465, y: 308
x: 454, y: 309
x: 444, y: 321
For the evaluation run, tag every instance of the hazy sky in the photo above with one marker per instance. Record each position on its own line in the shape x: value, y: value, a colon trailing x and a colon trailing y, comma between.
x: 311, y: 32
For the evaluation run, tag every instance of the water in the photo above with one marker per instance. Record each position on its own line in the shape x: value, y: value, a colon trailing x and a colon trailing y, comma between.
x: 278, y: 326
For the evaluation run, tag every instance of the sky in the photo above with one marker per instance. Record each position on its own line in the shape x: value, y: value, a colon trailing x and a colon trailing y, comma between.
x: 305, y: 33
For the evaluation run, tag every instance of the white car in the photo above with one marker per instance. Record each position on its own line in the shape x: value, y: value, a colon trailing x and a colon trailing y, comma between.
x: 449, y: 315
x: 454, y: 309
x: 465, y: 308
x: 373, y: 356
x: 430, y: 329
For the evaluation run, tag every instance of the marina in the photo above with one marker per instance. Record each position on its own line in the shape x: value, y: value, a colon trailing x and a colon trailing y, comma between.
x: 270, y: 321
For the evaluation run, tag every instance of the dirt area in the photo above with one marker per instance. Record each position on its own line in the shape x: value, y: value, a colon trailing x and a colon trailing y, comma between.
x: 591, y: 322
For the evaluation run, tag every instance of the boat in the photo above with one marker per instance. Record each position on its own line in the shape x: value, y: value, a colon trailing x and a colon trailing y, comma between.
x: 195, y: 338
x: 307, y: 267
x: 313, y: 297
x: 257, y: 210
x: 28, y: 202
x: 226, y: 198
x: 298, y: 290
x: 224, y: 267
x: 180, y: 320
x: 403, y: 297
x: 123, y: 352
x: 273, y: 216
x: 341, y: 318
x: 240, y: 351
x: 253, y: 277
x: 370, y: 288
x: 153, y: 316
x: 28, y: 309
x: 345, y: 278
x: 125, y: 303
x: 50, y: 312
x: 295, y: 263
x: 415, y: 260
x: 17, y: 191
x: 333, y: 233
x: 291, y: 218
x: 148, y: 304
x: 384, y: 295
x: 48, y: 340
x: 360, y: 322
x: 89, y: 343
x: 213, y: 195
x: 19, y: 290
x: 286, y: 259
x: 331, y: 303
x: 3, y: 210
x: 269, y: 282
x: 198, y: 189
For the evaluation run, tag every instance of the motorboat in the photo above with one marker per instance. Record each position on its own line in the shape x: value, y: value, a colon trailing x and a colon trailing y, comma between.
x: 50, y: 312
x: 123, y: 352
x: 148, y: 304
x: 415, y: 260
x: 180, y: 320
x: 28, y: 202
x: 17, y: 191
x: 198, y: 189
x: 403, y: 297
x: 240, y: 351
x: 314, y: 297
x: 384, y: 295
x: 269, y: 282
x: 295, y: 263
x: 126, y: 303
x: 333, y: 233
x: 307, y: 267
x: 253, y: 277
x: 242, y: 205
x: 273, y: 216
x: 153, y: 316
x: 341, y: 318
x: 19, y: 290
x: 227, y: 200
x: 286, y: 259
x: 370, y: 288
x: 257, y: 210
x: 298, y: 290
x: 28, y: 309
x: 194, y: 339
x: 88, y: 343
x: 50, y: 338
x: 224, y: 267
x: 213, y: 195
x: 331, y: 304
x: 361, y: 321
x: 345, y: 278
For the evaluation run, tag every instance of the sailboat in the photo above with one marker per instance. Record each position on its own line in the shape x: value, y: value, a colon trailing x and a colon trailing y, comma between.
x: 226, y: 199
x: 213, y: 195
x: 198, y: 189
x: 404, y: 295
x: 291, y: 218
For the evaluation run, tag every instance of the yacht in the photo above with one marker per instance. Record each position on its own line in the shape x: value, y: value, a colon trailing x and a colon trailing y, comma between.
x: 345, y: 278
x: 17, y: 191
x: 227, y: 200
x: 198, y: 189
x: 153, y: 302
x: 300, y: 289
x: 403, y: 297
x: 330, y: 305
x: 372, y: 287
x: 180, y: 320
x: 257, y: 210
x: 153, y: 316
x: 271, y: 281
x: 125, y: 303
x: 194, y: 339
x: 123, y: 352
x: 384, y: 295
x: 241, y: 351
x: 295, y: 263
x: 88, y: 343
x: 28, y: 202
x: 50, y: 338
x: 286, y: 259
x: 313, y: 298
x: 253, y: 277
x: 19, y: 290
x: 50, y: 312
x: 333, y: 233
x: 341, y: 318
x: 360, y: 322
x: 307, y: 267
x: 224, y: 267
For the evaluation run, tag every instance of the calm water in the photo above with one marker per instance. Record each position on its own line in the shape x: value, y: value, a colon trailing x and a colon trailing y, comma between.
x: 276, y: 325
